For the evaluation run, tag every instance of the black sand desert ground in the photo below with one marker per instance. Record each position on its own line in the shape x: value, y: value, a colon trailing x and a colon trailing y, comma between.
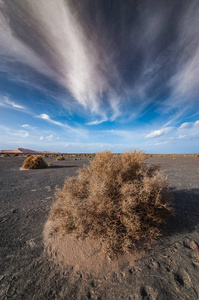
x: 168, y: 270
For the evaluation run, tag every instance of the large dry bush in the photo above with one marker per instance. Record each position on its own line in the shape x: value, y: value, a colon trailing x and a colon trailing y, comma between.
x: 116, y: 199
x: 34, y: 162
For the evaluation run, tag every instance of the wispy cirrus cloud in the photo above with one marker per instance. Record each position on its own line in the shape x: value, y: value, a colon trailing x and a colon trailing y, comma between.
x: 12, y: 132
x: 98, y: 52
x: 47, y: 118
x: 6, y: 102
x: 78, y: 131
x: 96, y: 122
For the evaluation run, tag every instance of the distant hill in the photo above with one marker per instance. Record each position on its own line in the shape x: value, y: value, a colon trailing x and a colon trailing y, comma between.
x: 25, y: 151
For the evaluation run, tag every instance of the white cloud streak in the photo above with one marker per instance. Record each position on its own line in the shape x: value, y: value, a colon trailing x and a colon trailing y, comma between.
x: 96, y: 122
x: 158, y: 133
x: 78, y: 131
x: 102, y: 67
x: 155, y: 133
x: 196, y: 123
x: 47, y: 118
x: 6, y: 102
x: 47, y: 138
x: 184, y: 125
x: 184, y: 83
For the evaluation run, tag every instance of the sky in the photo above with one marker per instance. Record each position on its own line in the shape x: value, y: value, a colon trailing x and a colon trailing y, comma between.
x: 85, y: 76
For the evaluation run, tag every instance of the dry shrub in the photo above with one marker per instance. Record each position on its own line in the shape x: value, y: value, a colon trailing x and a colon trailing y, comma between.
x: 116, y: 199
x: 34, y: 162
x: 197, y: 155
x: 60, y: 158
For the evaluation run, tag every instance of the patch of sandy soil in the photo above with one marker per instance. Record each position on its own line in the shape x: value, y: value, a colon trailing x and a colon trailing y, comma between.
x: 77, y: 269
x: 82, y: 254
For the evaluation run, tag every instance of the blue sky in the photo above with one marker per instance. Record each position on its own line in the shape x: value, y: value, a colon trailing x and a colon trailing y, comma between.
x: 84, y: 76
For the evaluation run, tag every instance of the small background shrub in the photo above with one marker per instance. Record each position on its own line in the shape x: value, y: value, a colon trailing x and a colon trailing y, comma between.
x: 34, y: 162
x: 5, y: 155
x: 50, y: 164
x: 116, y: 199
x: 60, y: 158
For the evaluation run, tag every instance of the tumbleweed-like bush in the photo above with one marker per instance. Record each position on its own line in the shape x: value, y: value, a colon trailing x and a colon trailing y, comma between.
x: 34, y: 162
x: 117, y: 199
x: 5, y: 155
x: 60, y: 158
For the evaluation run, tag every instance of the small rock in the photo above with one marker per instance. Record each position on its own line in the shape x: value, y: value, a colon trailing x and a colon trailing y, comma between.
x: 151, y: 293
x: 48, y: 188
x: 193, y: 245
x: 131, y: 270
x: 80, y: 275
x: 187, y: 243
x: 155, y: 264
x: 93, y: 283
x: 195, y: 264
x: 190, y: 244
x: 76, y: 268
x: 187, y: 279
x: 177, y: 245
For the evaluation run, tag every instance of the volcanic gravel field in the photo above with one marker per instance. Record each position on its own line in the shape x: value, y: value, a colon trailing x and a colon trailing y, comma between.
x: 168, y: 270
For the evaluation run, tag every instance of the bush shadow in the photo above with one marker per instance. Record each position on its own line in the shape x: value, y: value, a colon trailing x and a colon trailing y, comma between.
x: 186, y: 208
x: 60, y: 167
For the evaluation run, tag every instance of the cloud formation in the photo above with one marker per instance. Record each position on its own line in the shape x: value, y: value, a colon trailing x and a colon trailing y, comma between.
x: 184, y: 125
x: 156, y: 133
x: 47, y: 138
x: 6, y: 102
x: 96, y: 122
x: 113, y: 58
x: 196, y: 123
x: 47, y: 118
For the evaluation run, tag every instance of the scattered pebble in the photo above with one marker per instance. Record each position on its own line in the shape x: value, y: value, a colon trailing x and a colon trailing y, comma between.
x: 48, y: 188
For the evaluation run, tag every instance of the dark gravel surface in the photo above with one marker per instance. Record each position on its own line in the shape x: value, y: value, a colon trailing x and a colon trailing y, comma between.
x: 169, y: 271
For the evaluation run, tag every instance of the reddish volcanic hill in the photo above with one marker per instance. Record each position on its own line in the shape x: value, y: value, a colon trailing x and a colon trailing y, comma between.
x: 25, y: 151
